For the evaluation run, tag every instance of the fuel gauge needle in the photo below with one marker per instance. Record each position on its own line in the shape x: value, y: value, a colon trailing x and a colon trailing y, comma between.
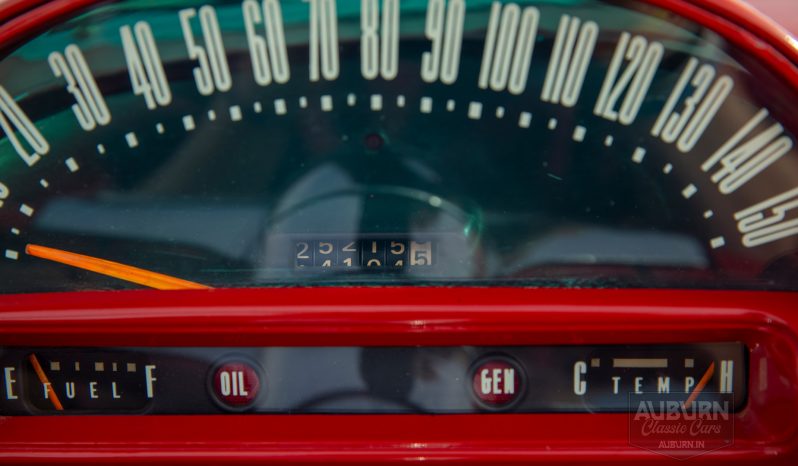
x: 43, y: 379
x: 700, y: 387
x: 113, y: 269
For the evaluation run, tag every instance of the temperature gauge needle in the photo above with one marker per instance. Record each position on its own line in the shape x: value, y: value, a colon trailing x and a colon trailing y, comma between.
x: 43, y: 379
x: 700, y: 387
x: 113, y: 269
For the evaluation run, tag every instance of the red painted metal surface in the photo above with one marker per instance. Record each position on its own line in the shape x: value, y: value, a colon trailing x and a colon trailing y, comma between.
x: 766, y: 322
x: 766, y: 429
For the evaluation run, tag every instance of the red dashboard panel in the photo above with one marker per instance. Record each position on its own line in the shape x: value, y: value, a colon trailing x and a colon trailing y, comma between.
x: 765, y: 322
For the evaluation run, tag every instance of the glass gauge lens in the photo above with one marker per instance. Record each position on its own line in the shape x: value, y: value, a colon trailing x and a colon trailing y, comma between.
x: 227, y: 144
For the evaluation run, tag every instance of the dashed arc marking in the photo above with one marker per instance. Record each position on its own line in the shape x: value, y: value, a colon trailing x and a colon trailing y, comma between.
x: 280, y: 108
x: 26, y: 210
x: 552, y: 124
x: 450, y: 105
x: 579, y: 133
x: 15, y: 231
x: 211, y: 115
x: 351, y: 100
x: 525, y: 120
x: 667, y: 169
x: 475, y: 110
x: 426, y: 105
x: 401, y: 101
x: 639, y: 155
x: 235, y: 113
x: 12, y: 254
x: 609, y: 140
x: 709, y: 214
x: 257, y: 107
x: 72, y: 164
x: 132, y: 140
x: 376, y: 102
x: 499, y: 112
x: 188, y: 123
x: 159, y: 128
x: 44, y: 183
x: 717, y: 242
x: 326, y: 103
x: 100, y: 149
x: 689, y: 191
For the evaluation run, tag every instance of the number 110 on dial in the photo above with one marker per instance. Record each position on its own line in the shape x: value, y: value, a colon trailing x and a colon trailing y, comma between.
x: 367, y: 254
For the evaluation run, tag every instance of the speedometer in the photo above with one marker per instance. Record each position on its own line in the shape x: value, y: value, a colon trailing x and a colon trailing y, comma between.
x: 239, y: 144
x: 386, y: 231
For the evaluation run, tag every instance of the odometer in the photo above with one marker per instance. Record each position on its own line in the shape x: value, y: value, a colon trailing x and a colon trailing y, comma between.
x: 262, y: 143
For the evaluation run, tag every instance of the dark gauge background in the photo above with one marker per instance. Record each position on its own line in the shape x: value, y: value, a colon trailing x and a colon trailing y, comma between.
x: 368, y: 380
x: 222, y: 203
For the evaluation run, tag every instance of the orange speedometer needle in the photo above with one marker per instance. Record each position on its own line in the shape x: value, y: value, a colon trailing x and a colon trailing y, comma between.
x: 43, y: 379
x: 113, y: 269
x: 700, y: 387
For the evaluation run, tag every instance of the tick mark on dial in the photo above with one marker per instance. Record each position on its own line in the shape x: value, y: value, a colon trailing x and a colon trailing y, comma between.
x: 426, y: 105
x: 326, y: 103
x: 132, y: 140
x: 72, y: 164
x: 188, y: 123
x: 639, y: 155
x: 376, y: 102
x: 525, y: 120
x: 235, y: 113
x: 475, y: 110
x: 579, y: 133
x: 689, y: 191
x: 26, y: 210
x: 280, y: 108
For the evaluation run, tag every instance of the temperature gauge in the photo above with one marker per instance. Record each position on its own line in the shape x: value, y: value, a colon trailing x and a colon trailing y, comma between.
x: 616, y: 377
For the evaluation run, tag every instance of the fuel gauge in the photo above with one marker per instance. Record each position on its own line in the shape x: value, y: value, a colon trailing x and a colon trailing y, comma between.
x: 88, y: 381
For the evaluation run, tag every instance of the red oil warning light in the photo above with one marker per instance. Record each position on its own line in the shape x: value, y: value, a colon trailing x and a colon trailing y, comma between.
x: 236, y: 384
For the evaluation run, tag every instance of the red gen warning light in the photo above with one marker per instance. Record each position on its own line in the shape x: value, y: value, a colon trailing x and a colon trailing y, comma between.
x: 497, y: 383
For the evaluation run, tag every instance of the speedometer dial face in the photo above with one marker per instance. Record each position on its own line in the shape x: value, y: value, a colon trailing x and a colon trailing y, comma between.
x: 259, y: 143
